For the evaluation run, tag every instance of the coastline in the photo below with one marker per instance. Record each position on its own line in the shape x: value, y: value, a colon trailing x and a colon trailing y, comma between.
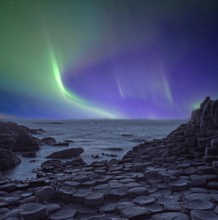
x: 165, y: 178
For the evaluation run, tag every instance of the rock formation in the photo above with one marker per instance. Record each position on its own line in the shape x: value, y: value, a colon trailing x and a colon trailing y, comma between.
x: 198, y: 139
x: 68, y: 153
x: 171, y: 178
x: 14, y: 138
x: 8, y: 159
x: 13, y: 135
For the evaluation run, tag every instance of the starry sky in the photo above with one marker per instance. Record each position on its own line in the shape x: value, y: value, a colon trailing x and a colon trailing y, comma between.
x: 115, y: 59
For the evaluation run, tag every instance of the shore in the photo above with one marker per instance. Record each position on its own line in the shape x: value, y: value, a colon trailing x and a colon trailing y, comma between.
x: 171, y: 178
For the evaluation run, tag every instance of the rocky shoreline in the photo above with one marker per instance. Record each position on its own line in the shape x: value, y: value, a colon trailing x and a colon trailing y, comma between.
x: 171, y: 178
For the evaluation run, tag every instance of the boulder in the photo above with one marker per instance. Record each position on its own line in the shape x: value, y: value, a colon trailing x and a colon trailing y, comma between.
x: 44, y: 193
x: 8, y: 159
x: 37, y: 131
x: 25, y: 143
x: 68, y: 153
x: 29, y: 154
x: 9, y: 131
x: 48, y: 141
x: 61, y: 144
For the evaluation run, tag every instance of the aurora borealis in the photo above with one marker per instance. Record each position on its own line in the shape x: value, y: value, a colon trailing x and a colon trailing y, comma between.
x: 107, y: 58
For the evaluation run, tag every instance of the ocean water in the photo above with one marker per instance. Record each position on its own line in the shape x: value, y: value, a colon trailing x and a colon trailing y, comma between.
x: 95, y: 136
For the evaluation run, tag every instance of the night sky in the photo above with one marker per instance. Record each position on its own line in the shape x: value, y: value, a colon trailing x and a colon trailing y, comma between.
x: 151, y: 59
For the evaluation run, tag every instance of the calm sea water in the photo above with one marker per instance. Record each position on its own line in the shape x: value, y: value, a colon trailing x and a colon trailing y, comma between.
x: 94, y: 136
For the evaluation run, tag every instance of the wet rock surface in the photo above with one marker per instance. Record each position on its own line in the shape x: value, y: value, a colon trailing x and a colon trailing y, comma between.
x: 8, y: 159
x: 48, y: 141
x: 14, y: 138
x: 171, y: 178
x: 68, y: 153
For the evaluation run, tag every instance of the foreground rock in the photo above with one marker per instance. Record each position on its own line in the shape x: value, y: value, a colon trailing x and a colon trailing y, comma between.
x: 68, y: 153
x: 9, y: 132
x: 14, y: 138
x: 31, y: 211
x: 25, y: 143
x: 8, y: 159
x: 48, y: 141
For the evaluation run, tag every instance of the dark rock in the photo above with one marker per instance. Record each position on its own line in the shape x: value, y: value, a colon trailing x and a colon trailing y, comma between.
x: 109, y: 155
x: 79, y: 196
x: 68, y: 141
x: 52, y: 207
x: 214, y: 144
x: 212, y: 185
x: 8, y: 159
x: 205, y: 102
x: 114, y: 149
x: 198, y: 204
x: 171, y: 216
x: 94, y: 199
x: 127, y: 135
x: 14, y: 213
x: 124, y: 205
x: 65, y: 194
x: 29, y: 154
x: 68, y: 153
x: 63, y: 214
x: 195, y: 115
x: 144, y: 200
x: 135, y: 213
x: 9, y: 187
x: 154, y: 208
x: 45, y: 193
x: 179, y: 185
x: 37, y: 131
x: 25, y: 143
x: 203, y: 215
x: 61, y: 144
x: 110, y: 207
x: 95, y: 156
x: 48, y: 141
x: 32, y: 211
x: 9, y: 131
x: 140, y: 140
x: 137, y: 191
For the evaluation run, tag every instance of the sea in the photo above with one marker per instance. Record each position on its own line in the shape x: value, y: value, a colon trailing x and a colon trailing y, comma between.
x: 96, y: 137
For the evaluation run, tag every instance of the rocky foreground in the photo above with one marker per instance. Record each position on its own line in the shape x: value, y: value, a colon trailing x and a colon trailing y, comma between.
x: 175, y: 178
